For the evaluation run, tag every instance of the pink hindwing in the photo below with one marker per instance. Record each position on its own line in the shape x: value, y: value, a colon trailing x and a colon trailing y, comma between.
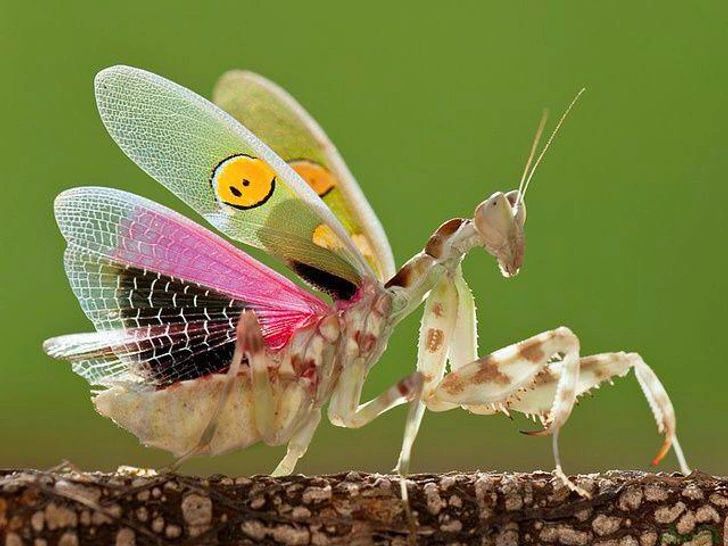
x: 164, y: 292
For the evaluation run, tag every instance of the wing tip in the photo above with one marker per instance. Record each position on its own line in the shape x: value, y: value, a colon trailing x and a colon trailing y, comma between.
x: 110, y: 76
x: 235, y: 77
x: 68, y: 198
x: 51, y: 347
x: 108, y: 73
x: 241, y: 73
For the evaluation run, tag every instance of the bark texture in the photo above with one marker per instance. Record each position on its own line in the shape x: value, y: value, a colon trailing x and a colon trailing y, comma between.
x: 68, y: 507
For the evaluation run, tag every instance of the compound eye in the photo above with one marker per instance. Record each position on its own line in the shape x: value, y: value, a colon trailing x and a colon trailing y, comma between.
x: 243, y: 182
x: 317, y: 176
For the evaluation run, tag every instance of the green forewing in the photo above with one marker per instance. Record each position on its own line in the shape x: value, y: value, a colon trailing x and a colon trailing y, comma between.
x: 179, y: 138
x: 282, y: 123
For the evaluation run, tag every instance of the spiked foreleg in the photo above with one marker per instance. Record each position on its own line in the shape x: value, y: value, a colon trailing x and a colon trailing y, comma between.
x: 596, y: 369
x: 493, y: 378
x: 464, y: 349
x: 499, y: 376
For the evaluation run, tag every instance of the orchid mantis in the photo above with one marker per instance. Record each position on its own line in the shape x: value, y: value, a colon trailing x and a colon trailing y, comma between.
x: 200, y: 349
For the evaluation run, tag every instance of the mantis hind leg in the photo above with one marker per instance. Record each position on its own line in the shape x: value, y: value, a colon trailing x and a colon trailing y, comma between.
x: 248, y: 339
x: 298, y: 444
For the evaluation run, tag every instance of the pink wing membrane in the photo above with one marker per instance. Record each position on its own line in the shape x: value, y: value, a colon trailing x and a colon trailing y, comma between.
x: 139, y: 233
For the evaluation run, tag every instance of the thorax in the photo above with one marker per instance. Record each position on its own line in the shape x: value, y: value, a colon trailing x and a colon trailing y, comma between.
x: 354, y: 331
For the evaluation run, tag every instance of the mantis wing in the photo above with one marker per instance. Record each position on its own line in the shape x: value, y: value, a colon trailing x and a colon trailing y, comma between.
x: 163, y: 292
x: 228, y: 175
x: 282, y: 123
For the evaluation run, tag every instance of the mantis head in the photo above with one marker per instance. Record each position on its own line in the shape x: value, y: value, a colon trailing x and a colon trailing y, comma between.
x: 500, y: 219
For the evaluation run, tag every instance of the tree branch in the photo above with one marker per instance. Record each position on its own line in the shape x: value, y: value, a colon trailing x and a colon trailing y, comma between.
x: 69, y: 507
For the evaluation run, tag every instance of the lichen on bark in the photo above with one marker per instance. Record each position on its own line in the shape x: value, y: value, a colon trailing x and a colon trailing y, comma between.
x: 69, y: 507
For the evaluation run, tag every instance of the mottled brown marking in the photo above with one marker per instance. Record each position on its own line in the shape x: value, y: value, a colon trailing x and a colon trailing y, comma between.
x: 403, y: 277
x: 437, y: 310
x: 404, y: 387
x: 544, y: 377
x: 567, y: 395
x: 411, y: 271
x: 310, y: 373
x: 594, y: 365
x: 438, y: 239
x: 452, y: 384
x: 488, y: 372
x: 434, y: 340
x: 365, y: 340
x: 531, y: 351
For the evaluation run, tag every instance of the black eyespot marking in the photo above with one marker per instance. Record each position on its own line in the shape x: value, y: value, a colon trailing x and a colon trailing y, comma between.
x: 235, y: 191
x: 334, y: 286
x: 246, y: 182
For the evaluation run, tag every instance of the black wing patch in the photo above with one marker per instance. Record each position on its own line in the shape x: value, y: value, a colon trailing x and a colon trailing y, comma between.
x: 154, y: 328
x: 191, y: 328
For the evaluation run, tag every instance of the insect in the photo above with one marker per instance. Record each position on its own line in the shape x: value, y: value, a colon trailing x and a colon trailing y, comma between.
x: 200, y: 349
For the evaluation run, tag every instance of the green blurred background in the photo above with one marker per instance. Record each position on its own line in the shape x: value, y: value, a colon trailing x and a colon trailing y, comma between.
x: 434, y: 108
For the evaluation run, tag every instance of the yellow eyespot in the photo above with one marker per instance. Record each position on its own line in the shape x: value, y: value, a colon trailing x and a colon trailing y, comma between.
x: 325, y: 237
x: 243, y: 182
x: 318, y: 177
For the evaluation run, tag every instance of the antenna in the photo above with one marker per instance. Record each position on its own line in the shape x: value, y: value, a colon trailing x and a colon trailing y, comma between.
x: 536, y: 139
x: 522, y: 194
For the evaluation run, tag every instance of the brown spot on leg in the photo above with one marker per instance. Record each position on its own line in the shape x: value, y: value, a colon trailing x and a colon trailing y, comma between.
x: 544, y: 377
x: 594, y: 364
x: 531, y: 351
x: 434, y: 340
x: 403, y: 388
x: 567, y: 395
x: 412, y: 271
x: 409, y: 385
x: 489, y: 372
x: 439, y: 239
x: 452, y: 384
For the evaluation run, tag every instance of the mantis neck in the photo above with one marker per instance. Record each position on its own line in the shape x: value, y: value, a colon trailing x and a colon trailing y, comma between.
x: 442, y: 255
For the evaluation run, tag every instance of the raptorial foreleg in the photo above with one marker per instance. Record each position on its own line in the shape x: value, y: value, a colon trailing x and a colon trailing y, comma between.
x: 596, y: 369
x: 499, y: 376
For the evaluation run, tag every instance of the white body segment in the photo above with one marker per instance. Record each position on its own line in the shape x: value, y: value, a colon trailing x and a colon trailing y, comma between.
x: 173, y: 418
